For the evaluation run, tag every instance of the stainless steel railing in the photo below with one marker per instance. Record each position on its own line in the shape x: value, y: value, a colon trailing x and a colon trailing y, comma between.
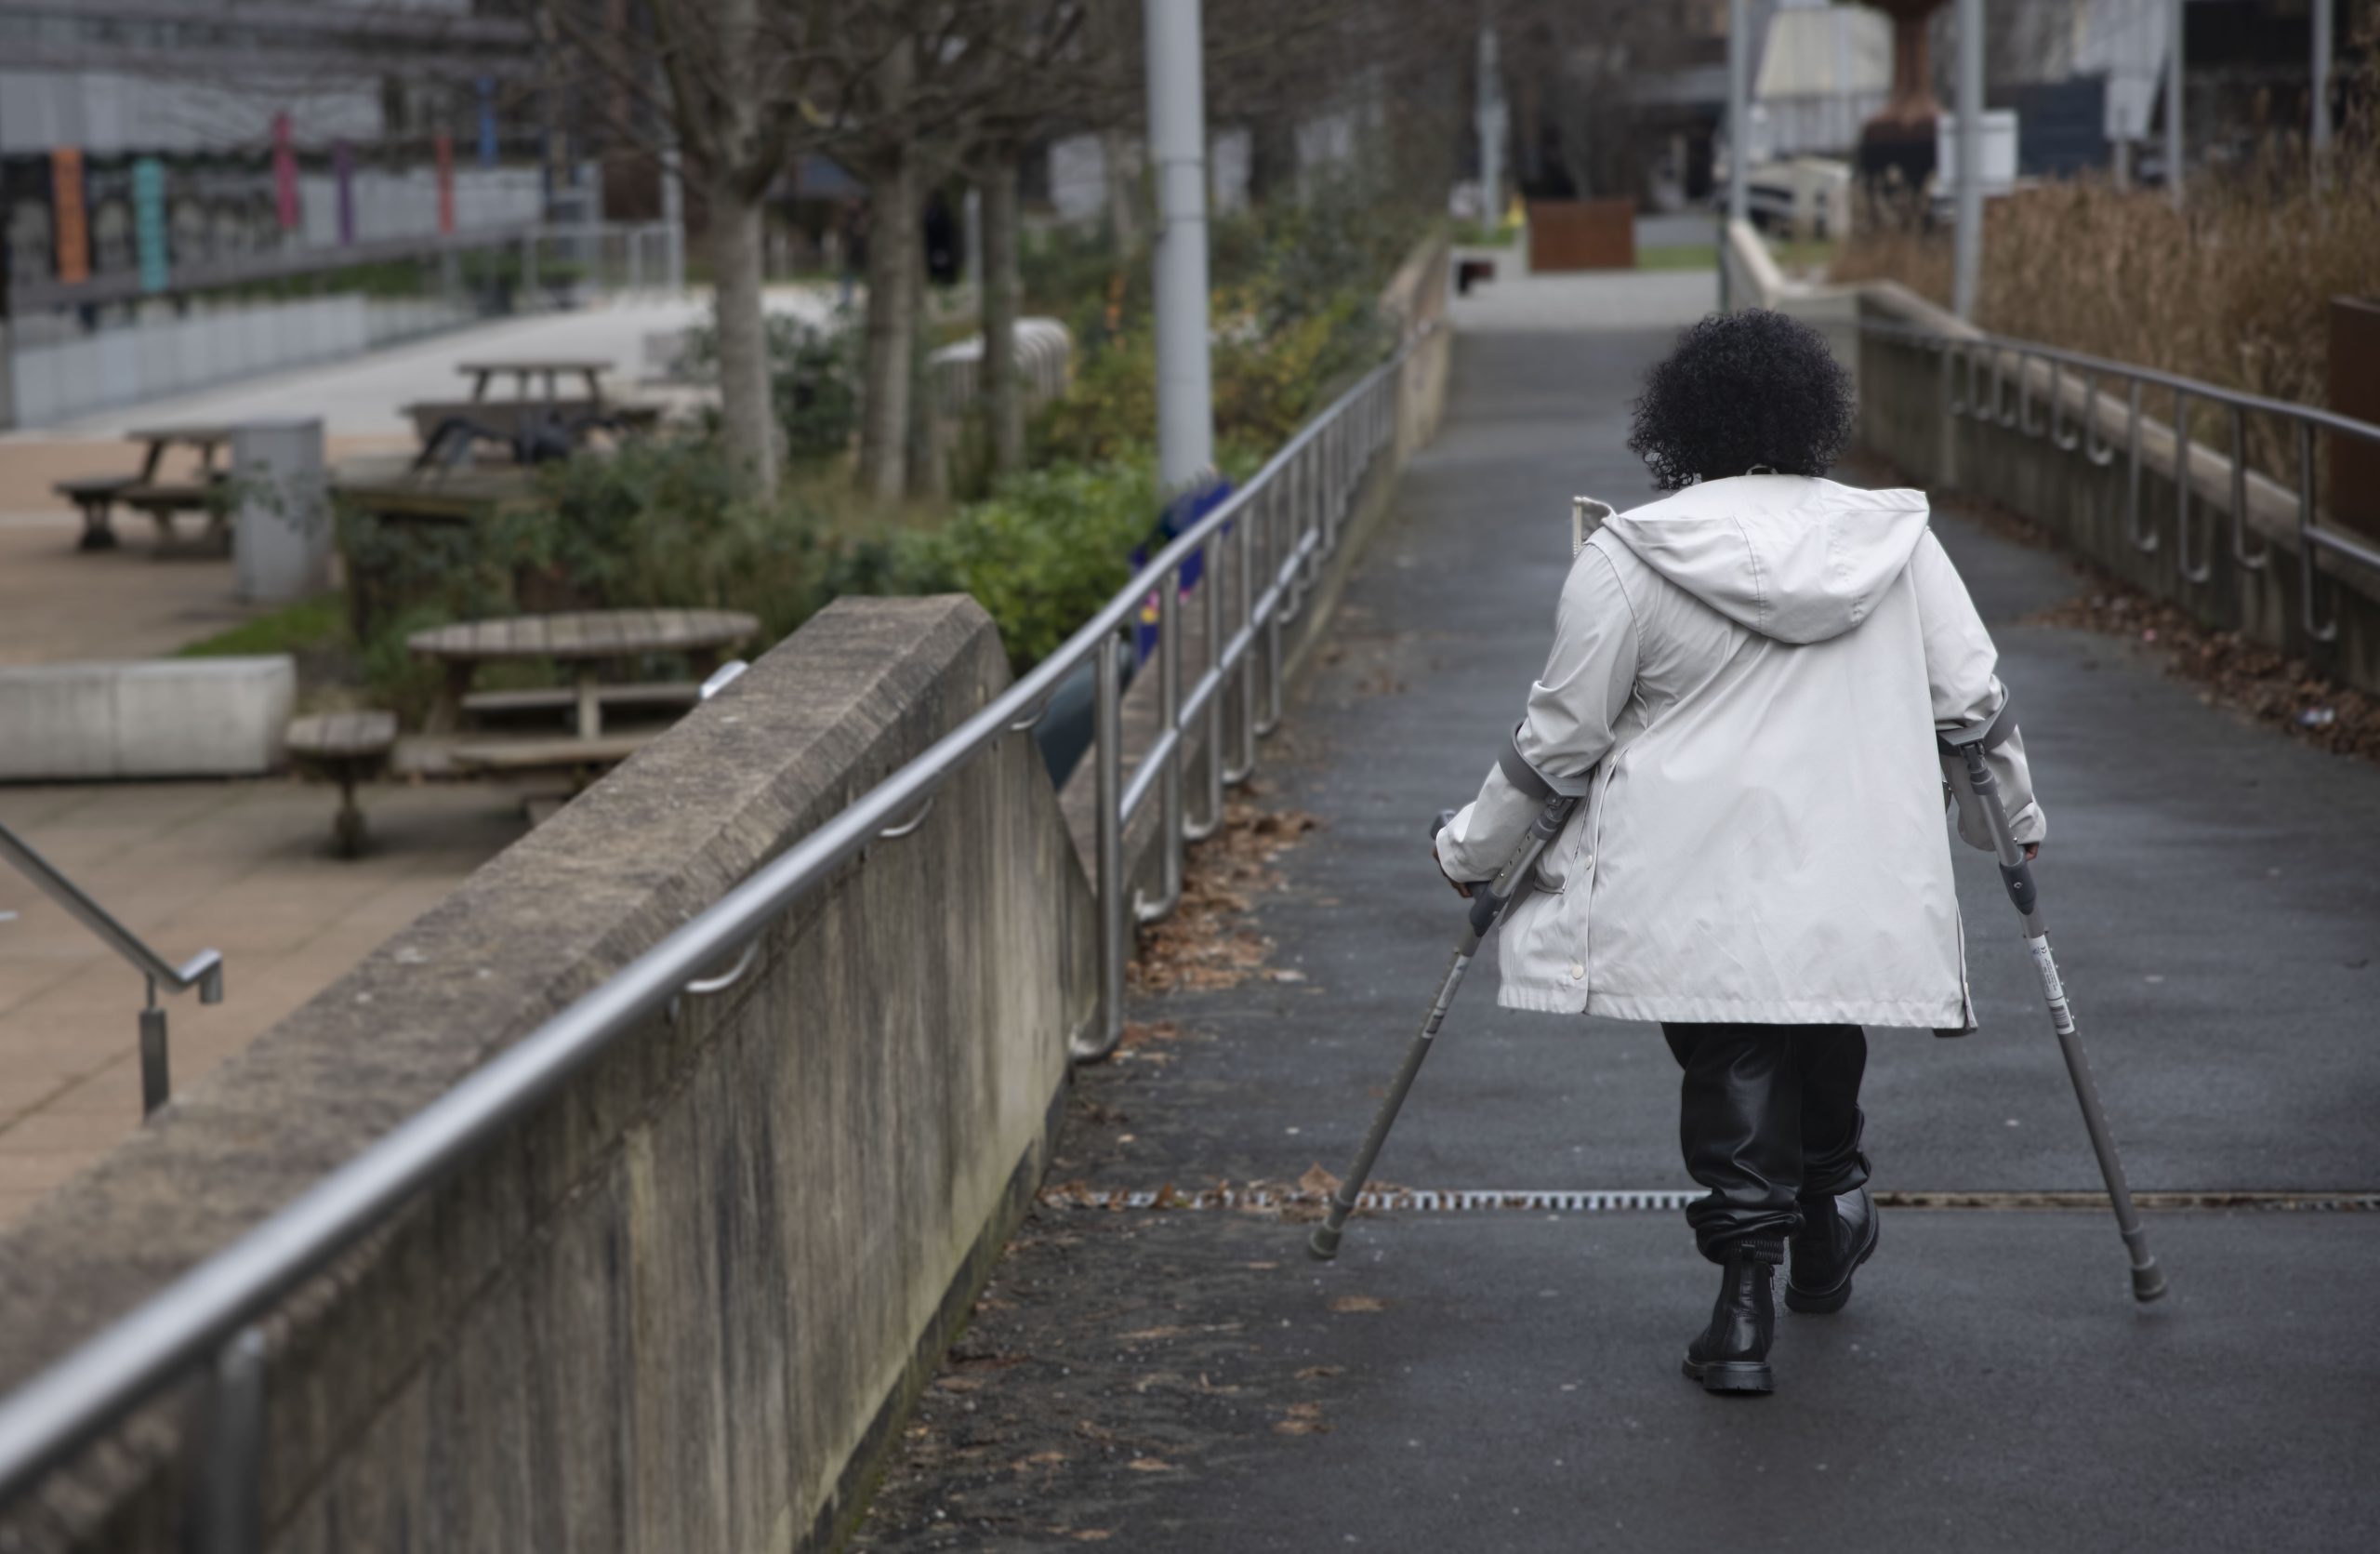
x: 203, y: 971
x: 1277, y: 528
x: 1976, y: 374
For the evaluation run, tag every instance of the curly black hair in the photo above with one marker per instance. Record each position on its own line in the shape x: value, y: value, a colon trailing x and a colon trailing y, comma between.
x: 1741, y: 390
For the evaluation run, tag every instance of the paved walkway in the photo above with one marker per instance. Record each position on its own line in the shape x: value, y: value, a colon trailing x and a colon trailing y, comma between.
x: 1507, y: 1379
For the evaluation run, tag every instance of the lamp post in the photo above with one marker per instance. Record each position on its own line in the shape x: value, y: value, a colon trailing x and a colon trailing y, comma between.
x: 1186, y: 416
x: 1967, y: 253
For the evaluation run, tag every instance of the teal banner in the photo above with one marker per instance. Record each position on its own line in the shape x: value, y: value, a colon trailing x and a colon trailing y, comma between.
x: 149, y: 221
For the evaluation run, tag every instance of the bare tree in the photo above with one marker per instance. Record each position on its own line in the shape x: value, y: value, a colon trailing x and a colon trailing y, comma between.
x: 742, y: 85
x: 1045, y: 68
x: 953, y: 88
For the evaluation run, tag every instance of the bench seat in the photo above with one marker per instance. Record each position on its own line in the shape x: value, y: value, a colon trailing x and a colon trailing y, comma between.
x: 95, y: 497
x: 348, y: 748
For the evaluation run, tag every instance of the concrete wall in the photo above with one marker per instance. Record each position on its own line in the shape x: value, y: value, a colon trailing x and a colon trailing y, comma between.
x: 2087, y: 506
x: 58, y: 369
x: 676, y: 1308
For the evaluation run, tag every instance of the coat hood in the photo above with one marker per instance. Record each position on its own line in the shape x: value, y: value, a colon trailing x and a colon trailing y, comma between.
x: 1792, y: 557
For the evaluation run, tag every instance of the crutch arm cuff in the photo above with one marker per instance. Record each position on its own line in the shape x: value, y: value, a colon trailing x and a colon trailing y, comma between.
x: 1990, y: 735
x: 1532, y: 782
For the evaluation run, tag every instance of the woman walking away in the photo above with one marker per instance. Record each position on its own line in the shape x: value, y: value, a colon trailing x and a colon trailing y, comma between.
x: 1751, y: 671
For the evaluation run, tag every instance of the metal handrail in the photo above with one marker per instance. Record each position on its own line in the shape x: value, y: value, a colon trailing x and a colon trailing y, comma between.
x: 2313, y: 536
x: 205, y: 1320
x: 203, y: 971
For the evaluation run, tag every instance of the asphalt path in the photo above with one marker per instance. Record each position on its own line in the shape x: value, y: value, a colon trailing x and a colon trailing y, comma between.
x: 1507, y: 1379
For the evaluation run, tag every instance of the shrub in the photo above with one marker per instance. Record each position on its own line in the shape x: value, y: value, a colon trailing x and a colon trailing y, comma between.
x: 2234, y: 289
x: 814, y: 380
x: 1042, y: 554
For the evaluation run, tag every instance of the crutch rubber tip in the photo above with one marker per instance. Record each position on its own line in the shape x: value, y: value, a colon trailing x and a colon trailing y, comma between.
x: 1323, y: 1244
x: 2148, y: 1282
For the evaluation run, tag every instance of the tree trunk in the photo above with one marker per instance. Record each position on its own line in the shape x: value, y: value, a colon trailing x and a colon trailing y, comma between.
x: 1123, y: 221
x: 1003, y: 396
x: 747, y: 414
x: 892, y: 326
x: 928, y: 474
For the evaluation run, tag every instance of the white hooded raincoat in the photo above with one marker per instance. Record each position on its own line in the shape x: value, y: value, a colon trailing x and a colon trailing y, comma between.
x: 1754, y: 670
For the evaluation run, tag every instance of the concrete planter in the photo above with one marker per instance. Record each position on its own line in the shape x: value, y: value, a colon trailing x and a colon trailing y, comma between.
x: 153, y: 718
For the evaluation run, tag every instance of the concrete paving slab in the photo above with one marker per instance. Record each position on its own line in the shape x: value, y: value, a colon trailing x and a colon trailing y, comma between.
x: 1509, y: 1382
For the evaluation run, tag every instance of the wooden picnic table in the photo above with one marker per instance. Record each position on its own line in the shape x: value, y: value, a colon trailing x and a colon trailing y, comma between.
x: 161, y: 500
x: 205, y: 437
x: 582, y: 638
x: 551, y: 369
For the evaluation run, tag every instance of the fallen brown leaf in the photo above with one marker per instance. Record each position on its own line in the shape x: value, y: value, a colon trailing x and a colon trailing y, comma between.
x: 1359, y: 1303
x: 1301, y: 1419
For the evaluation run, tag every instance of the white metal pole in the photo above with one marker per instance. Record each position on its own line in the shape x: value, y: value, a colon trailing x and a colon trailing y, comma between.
x: 1738, y: 125
x: 1968, y: 257
x: 673, y: 220
x: 2173, y: 101
x: 1186, y: 421
x: 1491, y: 133
x: 2318, y: 139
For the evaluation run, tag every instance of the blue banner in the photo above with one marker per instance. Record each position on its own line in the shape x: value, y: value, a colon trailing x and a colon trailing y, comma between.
x: 487, y: 121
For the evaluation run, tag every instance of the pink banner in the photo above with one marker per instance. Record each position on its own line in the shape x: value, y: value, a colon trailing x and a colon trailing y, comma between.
x: 446, y: 185
x: 284, y: 172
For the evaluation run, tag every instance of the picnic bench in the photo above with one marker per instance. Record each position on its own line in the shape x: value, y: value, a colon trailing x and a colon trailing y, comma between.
x: 348, y: 748
x: 523, y: 371
x: 584, y: 640
x: 528, y: 431
x: 96, y: 496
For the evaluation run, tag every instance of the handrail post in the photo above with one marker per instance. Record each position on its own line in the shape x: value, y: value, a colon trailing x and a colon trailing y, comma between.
x: 1107, y: 856
x: 1169, y: 701
x: 1279, y: 506
x: 225, y: 1505
x: 2306, y: 569
x: 1311, y: 497
x: 2144, y: 543
x: 1243, y: 761
x: 2205, y: 569
x: 2239, y: 495
x: 156, y: 1075
x: 1210, y: 716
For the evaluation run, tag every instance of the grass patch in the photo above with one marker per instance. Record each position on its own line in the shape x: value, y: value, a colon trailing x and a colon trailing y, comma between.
x: 313, y: 625
x: 1679, y: 256
x: 1792, y: 254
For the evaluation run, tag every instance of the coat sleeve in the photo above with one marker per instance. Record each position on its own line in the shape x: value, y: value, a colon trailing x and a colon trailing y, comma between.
x: 1587, y: 681
x: 1960, y: 659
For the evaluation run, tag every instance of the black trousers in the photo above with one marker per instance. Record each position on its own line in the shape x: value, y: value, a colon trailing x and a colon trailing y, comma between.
x: 1767, y: 1113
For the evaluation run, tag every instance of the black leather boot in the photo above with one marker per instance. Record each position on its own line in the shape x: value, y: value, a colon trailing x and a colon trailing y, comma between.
x: 1838, y: 1233
x: 1731, y: 1355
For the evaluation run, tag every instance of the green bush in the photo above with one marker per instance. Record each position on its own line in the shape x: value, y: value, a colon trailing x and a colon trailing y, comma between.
x: 659, y: 523
x: 814, y: 380
x: 1043, y: 553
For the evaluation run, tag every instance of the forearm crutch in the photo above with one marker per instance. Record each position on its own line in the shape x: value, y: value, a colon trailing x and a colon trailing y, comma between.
x: 1487, y: 903
x: 1964, y: 755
